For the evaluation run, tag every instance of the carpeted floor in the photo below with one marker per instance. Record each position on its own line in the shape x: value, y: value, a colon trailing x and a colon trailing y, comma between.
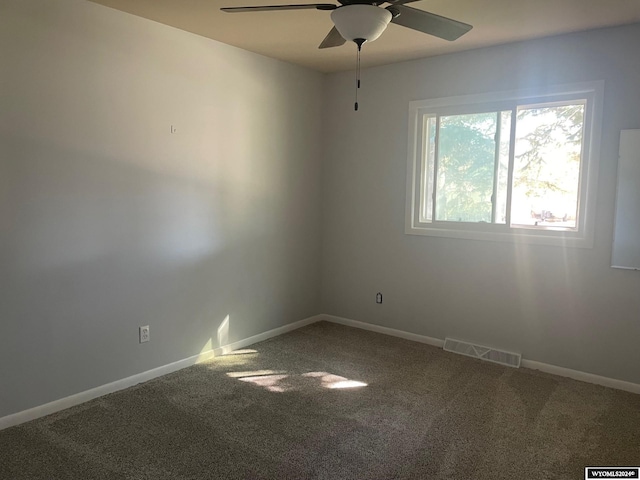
x: 295, y: 407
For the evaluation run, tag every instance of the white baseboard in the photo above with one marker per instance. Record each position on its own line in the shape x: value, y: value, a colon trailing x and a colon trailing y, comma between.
x: 436, y: 342
x: 582, y: 376
x: 543, y: 367
x: 78, y: 398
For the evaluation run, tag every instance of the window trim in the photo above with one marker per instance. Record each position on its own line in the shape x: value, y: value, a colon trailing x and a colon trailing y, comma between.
x: 582, y: 236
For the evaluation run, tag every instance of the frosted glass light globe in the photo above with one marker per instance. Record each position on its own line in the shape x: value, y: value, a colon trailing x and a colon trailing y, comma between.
x: 361, y: 21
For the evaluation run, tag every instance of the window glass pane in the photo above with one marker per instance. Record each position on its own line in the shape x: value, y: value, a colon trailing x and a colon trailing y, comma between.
x: 466, y: 159
x: 426, y: 180
x: 546, y: 175
x: 503, y: 167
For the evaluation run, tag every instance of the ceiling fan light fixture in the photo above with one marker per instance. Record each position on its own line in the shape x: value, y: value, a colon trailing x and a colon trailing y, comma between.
x: 358, y: 21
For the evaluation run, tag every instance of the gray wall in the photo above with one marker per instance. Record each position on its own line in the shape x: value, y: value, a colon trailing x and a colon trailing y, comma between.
x: 565, y: 307
x: 108, y: 221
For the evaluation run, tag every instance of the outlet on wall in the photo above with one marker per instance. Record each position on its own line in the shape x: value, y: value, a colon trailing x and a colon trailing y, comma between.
x: 144, y: 334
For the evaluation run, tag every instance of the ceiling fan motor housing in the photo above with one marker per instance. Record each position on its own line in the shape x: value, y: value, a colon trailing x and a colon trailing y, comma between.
x: 361, y: 22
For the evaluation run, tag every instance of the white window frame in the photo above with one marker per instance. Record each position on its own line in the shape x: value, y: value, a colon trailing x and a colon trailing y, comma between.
x: 581, y: 236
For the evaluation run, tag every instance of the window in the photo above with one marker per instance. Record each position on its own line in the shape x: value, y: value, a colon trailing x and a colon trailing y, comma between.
x: 510, y: 166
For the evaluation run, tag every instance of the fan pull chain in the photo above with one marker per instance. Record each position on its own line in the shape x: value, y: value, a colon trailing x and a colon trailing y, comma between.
x: 357, y: 78
x: 359, y: 43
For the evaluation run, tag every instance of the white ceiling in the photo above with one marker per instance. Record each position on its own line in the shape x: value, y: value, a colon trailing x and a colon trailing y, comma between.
x: 294, y: 36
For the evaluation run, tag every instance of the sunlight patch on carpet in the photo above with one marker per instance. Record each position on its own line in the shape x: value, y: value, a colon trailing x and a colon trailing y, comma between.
x: 254, y: 373
x: 244, y: 351
x: 269, y: 382
x: 346, y: 384
x: 280, y: 381
x: 328, y: 380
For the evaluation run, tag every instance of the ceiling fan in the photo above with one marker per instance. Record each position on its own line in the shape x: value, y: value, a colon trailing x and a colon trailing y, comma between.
x: 363, y: 21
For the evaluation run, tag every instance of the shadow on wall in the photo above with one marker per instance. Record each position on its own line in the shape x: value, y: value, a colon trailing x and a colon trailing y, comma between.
x: 93, y: 247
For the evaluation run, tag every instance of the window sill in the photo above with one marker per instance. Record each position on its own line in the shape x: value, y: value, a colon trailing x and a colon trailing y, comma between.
x: 514, y: 235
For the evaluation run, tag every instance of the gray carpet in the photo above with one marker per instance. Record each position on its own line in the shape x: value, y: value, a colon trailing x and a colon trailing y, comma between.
x: 291, y: 409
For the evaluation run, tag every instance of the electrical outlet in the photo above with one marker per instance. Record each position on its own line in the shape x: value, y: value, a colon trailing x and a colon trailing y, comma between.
x: 144, y: 334
x: 379, y: 297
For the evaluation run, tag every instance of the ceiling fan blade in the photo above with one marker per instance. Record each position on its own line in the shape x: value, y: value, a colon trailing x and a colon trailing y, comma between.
x: 429, y: 23
x: 401, y: 2
x: 333, y: 39
x: 268, y: 8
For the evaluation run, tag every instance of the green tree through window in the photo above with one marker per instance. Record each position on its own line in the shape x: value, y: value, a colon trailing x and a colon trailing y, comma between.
x: 509, y: 166
x: 468, y: 156
x: 466, y: 170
